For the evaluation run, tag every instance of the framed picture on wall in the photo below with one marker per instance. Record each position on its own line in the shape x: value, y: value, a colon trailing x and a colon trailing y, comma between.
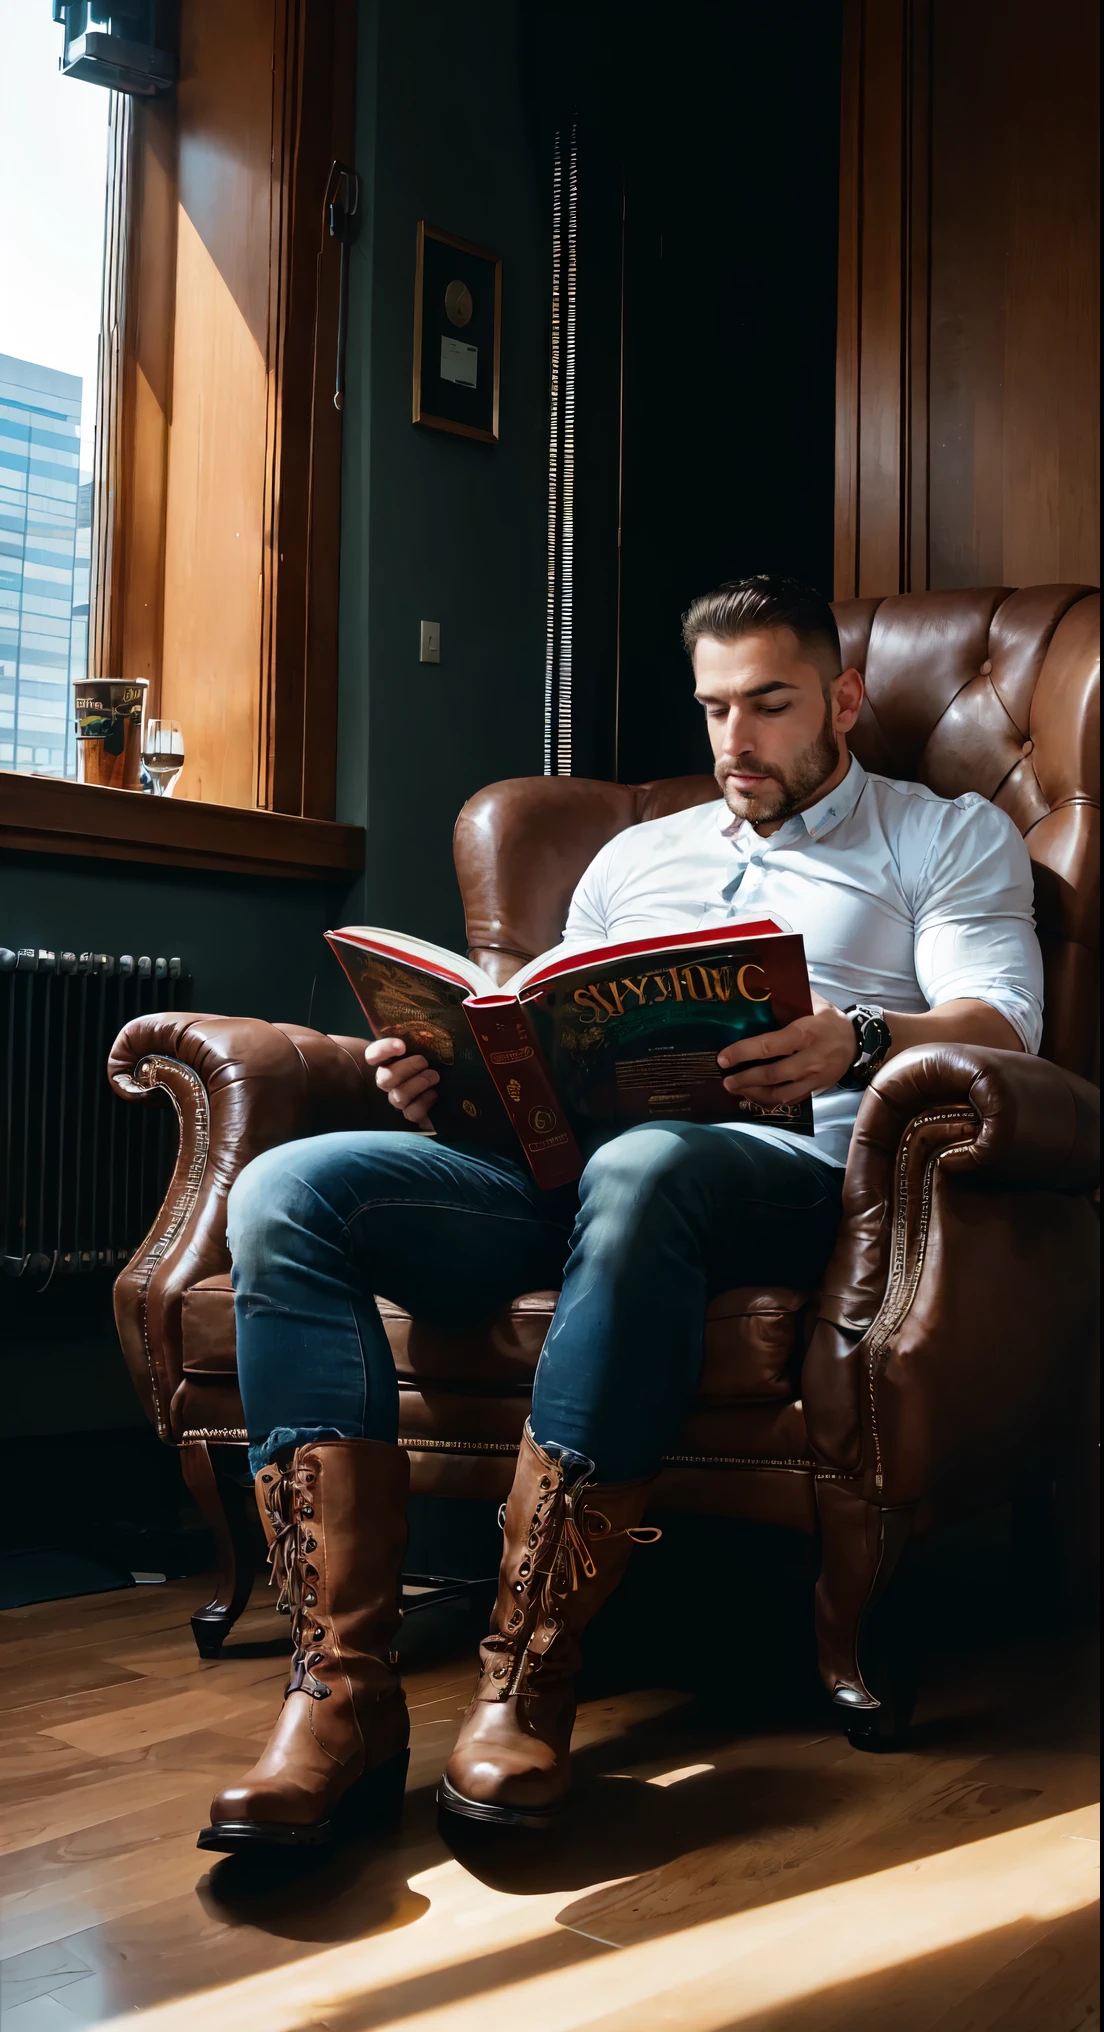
x: 457, y: 335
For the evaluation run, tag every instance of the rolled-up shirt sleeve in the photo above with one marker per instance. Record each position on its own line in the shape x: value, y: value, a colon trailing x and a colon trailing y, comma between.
x: 974, y: 917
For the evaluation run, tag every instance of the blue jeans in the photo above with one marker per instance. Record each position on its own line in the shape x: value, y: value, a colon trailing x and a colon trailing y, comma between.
x: 665, y: 1216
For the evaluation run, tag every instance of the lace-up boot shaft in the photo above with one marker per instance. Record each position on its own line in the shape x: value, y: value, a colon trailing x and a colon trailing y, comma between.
x: 566, y: 1544
x: 335, y: 1520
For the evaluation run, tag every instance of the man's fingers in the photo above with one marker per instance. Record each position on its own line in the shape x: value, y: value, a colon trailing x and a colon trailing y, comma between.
x: 407, y: 1090
x: 383, y: 1049
x: 752, y: 1077
x: 389, y: 1076
x: 420, y: 1109
x: 769, y: 1044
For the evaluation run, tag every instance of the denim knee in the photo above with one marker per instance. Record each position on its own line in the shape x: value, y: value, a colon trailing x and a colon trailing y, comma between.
x: 638, y: 1166
x: 631, y: 1193
x: 264, y: 1199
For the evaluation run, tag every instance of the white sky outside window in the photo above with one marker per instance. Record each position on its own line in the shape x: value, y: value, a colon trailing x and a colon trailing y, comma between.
x: 53, y: 175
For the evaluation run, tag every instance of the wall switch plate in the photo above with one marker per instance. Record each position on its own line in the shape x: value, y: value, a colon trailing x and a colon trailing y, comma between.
x: 429, y: 643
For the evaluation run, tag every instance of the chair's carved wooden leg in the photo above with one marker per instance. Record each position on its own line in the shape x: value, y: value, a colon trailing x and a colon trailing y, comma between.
x: 861, y: 1664
x: 234, y: 1554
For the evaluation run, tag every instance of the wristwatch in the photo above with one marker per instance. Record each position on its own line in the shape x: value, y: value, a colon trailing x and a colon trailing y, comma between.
x: 873, y: 1041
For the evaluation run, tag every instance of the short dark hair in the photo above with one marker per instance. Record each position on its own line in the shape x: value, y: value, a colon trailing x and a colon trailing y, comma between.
x: 766, y: 600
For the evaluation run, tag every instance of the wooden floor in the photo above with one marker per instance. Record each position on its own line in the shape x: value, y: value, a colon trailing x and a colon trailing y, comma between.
x: 713, y: 1877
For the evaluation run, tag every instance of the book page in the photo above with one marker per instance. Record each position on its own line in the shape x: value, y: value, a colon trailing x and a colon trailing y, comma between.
x: 401, y: 945
x: 562, y: 958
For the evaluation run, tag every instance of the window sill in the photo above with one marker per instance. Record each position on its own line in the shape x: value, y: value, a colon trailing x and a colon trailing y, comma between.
x: 48, y: 815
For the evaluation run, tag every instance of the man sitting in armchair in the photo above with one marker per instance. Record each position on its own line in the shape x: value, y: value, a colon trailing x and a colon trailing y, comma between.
x: 917, y: 918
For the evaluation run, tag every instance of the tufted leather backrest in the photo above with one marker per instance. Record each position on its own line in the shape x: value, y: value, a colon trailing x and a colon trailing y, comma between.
x: 989, y: 690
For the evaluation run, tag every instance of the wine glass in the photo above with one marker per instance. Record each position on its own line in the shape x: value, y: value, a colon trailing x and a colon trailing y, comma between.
x: 163, y: 754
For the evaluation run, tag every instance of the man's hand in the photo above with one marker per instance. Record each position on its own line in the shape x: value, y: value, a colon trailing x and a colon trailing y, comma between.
x: 810, y: 1055
x: 411, y: 1085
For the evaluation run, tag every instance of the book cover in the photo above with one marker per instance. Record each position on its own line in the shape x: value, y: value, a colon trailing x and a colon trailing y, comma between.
x: 419, y: 995
x: 578, y: 1046
x: 633, y: 1037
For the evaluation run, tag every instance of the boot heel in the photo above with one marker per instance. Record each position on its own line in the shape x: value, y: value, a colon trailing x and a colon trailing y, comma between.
x: 376, y: 1800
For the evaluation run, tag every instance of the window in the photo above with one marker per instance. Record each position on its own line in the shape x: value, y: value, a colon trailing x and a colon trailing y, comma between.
x: 53, y: 157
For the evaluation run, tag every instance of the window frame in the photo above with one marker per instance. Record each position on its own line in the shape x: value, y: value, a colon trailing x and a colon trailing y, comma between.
x: 302, y: 53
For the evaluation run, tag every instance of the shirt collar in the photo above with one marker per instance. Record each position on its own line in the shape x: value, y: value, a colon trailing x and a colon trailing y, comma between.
x: 819, y: 819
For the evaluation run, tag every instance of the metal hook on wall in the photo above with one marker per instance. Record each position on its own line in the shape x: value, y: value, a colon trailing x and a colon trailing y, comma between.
x: 342, y: 207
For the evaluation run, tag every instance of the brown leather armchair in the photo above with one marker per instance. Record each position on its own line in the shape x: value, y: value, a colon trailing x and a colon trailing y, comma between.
x: 947, y: 1352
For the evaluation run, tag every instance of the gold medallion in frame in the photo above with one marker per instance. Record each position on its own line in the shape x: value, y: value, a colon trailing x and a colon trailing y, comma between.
x: 457, y: 359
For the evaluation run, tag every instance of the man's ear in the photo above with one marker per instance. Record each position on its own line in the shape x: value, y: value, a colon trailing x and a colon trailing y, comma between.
x: 848, y: 690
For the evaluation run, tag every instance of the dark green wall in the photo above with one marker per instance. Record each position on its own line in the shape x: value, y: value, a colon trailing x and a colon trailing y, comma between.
x: 438, y: 527
x: 252, y: 944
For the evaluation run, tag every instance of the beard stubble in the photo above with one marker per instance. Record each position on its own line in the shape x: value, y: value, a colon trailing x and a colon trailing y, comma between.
x: 779, y: 799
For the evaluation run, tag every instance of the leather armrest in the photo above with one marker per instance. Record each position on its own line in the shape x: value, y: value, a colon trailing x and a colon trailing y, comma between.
x: 1037, y: 1125
x: 239, y: 1086
x: 916, y: 1268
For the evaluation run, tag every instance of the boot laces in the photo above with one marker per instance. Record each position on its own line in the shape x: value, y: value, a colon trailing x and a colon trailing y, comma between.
x: 288, y: 1571
x: 569, y: 1521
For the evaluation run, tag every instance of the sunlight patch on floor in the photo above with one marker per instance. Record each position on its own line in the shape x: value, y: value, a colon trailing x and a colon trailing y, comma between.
x: 758, y: 1959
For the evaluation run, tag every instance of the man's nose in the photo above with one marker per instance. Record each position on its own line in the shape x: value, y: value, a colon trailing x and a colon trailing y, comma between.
x: 738, y: 733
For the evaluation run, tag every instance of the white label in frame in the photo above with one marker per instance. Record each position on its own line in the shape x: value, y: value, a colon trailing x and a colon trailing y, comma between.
x: 459, y: 362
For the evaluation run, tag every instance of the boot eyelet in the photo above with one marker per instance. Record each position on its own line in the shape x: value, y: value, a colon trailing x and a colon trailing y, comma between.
x: 319, y: 1634
x: 523, y: 1569
x: 545, y: 1483
x: 310, y: 1600
x: 519, y: 1587
x: 516, y: 1618
x: 499, y: 1672
x: 308, y: 1510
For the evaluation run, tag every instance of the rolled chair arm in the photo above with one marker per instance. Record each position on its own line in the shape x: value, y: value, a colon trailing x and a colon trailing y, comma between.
x: 239, y: 1086
x: 1036, y: 1125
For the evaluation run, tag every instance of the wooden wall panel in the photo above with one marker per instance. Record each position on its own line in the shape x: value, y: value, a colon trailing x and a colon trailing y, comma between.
x: 967, y: 365
x: 1014, y: 302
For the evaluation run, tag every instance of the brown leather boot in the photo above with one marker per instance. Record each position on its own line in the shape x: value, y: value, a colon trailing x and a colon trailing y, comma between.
x: 335, y: 1520
x: 566, y: 1546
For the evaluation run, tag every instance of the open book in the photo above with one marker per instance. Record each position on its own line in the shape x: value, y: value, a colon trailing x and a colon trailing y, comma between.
x: 577, y: 1046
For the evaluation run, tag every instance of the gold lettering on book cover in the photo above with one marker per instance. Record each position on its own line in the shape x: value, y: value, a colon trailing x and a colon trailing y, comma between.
x: 598, y: 1001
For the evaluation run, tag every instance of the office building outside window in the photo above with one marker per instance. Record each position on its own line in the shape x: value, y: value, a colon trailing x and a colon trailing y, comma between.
x: 45, y: 540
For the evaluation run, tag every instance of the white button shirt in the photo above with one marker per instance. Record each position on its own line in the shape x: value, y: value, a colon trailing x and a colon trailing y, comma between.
x: 904, y: 899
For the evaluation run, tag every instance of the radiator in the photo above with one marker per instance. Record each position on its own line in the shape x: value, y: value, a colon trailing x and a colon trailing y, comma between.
x: 82, y: 1174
